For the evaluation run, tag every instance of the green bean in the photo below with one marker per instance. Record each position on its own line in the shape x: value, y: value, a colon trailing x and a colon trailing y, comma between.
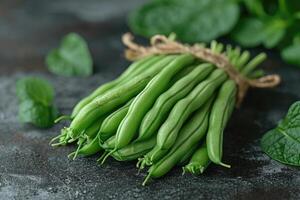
x: 131, y: 71
x: 134, y: 150
x: 182, y: 73
x: 109, y: 144
x: 143, y: 102
x: 88, y: 136
x: 253, y: 63
x: 140, y: 66
x: 199, y: 161
x: 151, y: 157
x: 257, y: 73
x: 196, y: 129
x: 159, y: 112
x: 187, y: 156
x: 91, y: 132
x: 167, y: 134
x: 111, y: 123
x: 104, y: 105
x: 243, y: 59
x: 116, y: 97
x: 88, y: 149
x: 219, y: 116
x: 220, y: 48
x: 213, y: 46
x: 185, y: 132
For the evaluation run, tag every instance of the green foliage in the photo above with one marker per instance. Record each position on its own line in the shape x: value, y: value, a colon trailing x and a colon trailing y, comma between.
x: 253, y: 32
x: 72, y: 58
x: 291, y: 54
x: 36, y: 102
x: 283, y: 142
x: 191, y: 20
x: 272, y: 24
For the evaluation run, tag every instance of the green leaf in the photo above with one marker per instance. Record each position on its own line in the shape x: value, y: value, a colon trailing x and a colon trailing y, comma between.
x: 283, y: 146
x: 37, y: 114
x: 255, y: 7
x: 36, y: 97
x: 293, y: 6
x: 273, y: 37
x: 283, y: 142
x: 291, y: 54
x: 252, y: 32
x: 274, y: 32
x: 292, y: 119
x: 249, y: 32
x: 191, y: 20
x: 72, y: 58
x: 35, y: 89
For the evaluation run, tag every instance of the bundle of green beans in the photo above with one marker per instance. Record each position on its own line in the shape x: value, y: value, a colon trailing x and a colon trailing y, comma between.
x: 163, y: 111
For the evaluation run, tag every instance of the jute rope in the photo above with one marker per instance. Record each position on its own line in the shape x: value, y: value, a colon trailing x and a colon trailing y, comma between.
x: 162, y: 45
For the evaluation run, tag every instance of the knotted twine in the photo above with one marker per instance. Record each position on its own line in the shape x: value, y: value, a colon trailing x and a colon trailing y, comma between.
x: 163, y: 45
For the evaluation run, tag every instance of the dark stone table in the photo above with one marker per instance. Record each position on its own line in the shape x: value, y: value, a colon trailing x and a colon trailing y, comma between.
x: 31, y: 169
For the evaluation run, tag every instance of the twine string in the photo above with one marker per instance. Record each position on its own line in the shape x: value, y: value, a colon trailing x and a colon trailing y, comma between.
x: 162, y: 45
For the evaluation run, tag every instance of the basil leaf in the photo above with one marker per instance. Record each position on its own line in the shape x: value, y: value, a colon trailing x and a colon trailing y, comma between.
x: 191, y: 20
x: 291, y: 54
x: 36, y: 97
x: 72, y: 58
x: 283, y: 142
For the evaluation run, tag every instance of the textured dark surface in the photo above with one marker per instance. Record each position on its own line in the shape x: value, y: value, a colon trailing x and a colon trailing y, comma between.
x: 31, y: 169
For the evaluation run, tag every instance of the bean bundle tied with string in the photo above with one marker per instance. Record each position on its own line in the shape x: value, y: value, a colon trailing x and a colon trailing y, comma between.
x: 170, y: 107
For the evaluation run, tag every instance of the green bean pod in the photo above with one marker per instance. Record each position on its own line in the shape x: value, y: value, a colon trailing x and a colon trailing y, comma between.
x: 168, y: 132
x: 173, y: 157
x: 103, y: 105
x: 220, y: 113
x: 86, y: 136
x: 152, y: 157
x: 189, y: 127
x: 134, y: 150
x: 111, y: 123
x: 133, y: 70
x: 110, y: 101
x: 160, y: 110
x: 252, y: 64
x: 187, y: 156
x: 91, y: 132
x: 199, y: 161
x: 128, y: 128
x: 182, y: 73
x: 88, y: 149
x: 109, y: 144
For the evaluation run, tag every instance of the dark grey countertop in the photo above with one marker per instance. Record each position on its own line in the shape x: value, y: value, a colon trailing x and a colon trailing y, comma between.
x: 31, y: 169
